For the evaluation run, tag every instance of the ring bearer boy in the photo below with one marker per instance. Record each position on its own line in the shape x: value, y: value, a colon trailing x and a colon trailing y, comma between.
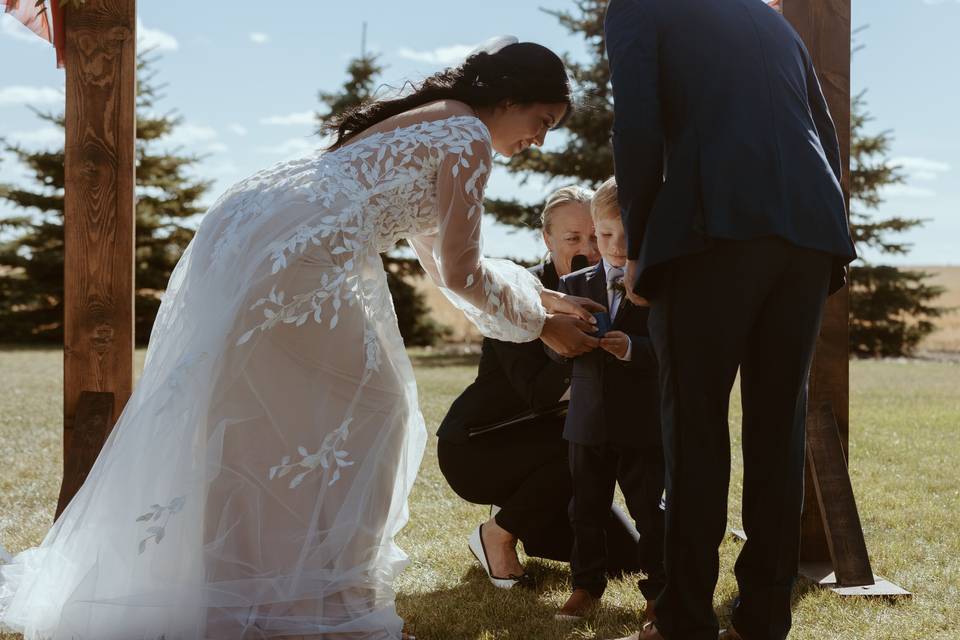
x: 613, y: 422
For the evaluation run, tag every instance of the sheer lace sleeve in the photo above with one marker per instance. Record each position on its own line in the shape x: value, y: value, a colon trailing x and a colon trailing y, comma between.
x: 500, y: 297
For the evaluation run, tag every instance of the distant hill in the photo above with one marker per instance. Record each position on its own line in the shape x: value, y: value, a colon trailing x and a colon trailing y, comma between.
x: 947, y: 335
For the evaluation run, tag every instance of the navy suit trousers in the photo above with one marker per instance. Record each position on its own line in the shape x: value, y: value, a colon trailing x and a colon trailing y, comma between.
x: 756, y: 306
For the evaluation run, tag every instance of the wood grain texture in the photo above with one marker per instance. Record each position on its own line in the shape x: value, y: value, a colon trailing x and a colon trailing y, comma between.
x: 92, y: 424
x: 840, y: 520
x: 824, y: 26
x: 100, y: 59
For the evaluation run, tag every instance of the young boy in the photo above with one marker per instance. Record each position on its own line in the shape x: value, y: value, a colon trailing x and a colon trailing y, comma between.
x: 613, y: 423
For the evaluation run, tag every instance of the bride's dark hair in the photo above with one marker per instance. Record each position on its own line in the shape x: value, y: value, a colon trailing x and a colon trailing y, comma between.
x: 521, y: 73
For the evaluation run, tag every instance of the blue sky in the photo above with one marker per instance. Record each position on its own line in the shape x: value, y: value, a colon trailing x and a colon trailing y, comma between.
x: 245, y: 80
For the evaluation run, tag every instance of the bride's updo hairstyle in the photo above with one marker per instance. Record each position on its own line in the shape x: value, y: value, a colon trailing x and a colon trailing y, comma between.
x: 519, y: 73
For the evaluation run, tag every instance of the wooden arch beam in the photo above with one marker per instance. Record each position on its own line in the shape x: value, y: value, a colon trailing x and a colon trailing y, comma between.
x: 100, y: 62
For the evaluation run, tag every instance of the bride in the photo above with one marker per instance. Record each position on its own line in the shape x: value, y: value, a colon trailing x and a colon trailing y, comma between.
x: 253, y: 486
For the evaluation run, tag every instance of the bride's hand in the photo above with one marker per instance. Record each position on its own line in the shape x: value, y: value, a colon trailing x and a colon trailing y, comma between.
x: 582, y: 308
x: 568, y: 335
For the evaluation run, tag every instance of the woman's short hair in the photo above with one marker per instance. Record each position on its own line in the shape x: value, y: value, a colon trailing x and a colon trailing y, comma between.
x: 567, y: 195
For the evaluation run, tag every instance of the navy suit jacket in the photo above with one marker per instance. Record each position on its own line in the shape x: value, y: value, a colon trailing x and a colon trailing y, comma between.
x: 612, y: 401
x: 721, y: 131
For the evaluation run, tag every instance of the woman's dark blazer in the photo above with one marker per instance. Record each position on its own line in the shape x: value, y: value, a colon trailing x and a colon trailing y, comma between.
x: 517, y: 384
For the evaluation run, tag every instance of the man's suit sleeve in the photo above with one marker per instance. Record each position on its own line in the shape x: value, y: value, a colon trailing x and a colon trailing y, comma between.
x: 631, y: 40
x: 826, y: 130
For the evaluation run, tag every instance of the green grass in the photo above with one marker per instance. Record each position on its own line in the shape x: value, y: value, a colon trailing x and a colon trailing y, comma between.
x: 905, y: 441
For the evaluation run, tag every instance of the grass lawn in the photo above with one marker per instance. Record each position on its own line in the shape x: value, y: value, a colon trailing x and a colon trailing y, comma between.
x: 905, y: 426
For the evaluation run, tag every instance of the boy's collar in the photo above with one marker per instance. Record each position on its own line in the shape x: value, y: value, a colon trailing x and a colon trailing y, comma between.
x: 607, y: 266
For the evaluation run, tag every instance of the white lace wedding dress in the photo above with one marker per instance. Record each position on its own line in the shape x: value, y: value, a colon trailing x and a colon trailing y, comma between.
x: 255, y: 481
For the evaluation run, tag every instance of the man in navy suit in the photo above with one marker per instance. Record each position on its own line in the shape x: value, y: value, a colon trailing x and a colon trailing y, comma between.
x: 729, y: 173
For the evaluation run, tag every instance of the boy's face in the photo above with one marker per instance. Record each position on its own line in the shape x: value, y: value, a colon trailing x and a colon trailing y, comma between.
x: 611, y: 239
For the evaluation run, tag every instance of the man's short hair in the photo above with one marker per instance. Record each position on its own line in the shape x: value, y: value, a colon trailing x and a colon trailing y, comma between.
x: 604, y: 204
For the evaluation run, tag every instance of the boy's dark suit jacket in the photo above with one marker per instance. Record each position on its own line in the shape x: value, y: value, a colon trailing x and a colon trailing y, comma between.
x: 613, y: 401
x: 720, y: 132
x: 513, y: 380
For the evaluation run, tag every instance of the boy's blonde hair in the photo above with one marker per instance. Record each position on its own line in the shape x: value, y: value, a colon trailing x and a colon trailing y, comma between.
x: 560, y: 197
x: 604, y: 203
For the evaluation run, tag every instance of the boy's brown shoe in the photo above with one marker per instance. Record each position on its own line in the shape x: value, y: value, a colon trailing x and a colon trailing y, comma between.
x: 650, y: 614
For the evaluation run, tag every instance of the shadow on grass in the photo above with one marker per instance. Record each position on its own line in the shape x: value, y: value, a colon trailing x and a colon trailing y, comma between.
x: 548, y: 575
x: 801, y: 588
x: 474, y: 609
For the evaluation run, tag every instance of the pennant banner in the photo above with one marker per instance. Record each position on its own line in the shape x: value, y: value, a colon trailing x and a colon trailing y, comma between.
x: 59, y: 35
x: 33, y: 16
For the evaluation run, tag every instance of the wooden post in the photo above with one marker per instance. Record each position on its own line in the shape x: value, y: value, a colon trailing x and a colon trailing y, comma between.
x: 91, y: 426
x: 833, y: 551
x: 100, y: 61
x: 824, y: 26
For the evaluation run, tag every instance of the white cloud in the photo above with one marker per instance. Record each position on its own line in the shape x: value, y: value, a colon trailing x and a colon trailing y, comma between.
x: 290, y: 147
x: 916, y: 169
x: 221, y: 169
x: 259, y: 38
x: 13, y: 28
x: 191, y: 137
x: 47, y: 136
x: 21, y: 95
x: 155, y: 39
x: 921, y: 168
x: 906, y: 191
x: 217, y: 147
x: 445, y: 56
x: 238, y: 129
x: 194, y: 133
x: 301, y: 117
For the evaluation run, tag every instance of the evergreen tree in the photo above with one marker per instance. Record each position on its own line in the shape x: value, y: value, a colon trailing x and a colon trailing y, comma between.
x: 413, y: 314
x: 31, y: 256
x: 891, y: 309
x: 586, y: 156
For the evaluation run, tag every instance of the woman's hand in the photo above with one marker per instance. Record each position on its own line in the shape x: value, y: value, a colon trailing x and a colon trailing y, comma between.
x: 568, y: 335
x: 582, y: 308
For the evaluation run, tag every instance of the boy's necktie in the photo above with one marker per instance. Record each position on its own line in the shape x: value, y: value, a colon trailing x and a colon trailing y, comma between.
x: 615, y: 289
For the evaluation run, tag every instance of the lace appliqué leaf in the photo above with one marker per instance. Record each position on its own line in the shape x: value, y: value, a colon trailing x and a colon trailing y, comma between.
x: 155, y: 515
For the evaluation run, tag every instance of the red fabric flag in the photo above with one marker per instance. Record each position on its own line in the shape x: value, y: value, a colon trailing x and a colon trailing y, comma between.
x: 59, y: 35
x: 34, y: 17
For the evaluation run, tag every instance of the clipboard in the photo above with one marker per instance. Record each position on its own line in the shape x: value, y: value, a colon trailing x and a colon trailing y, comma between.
x: 555, y: 412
